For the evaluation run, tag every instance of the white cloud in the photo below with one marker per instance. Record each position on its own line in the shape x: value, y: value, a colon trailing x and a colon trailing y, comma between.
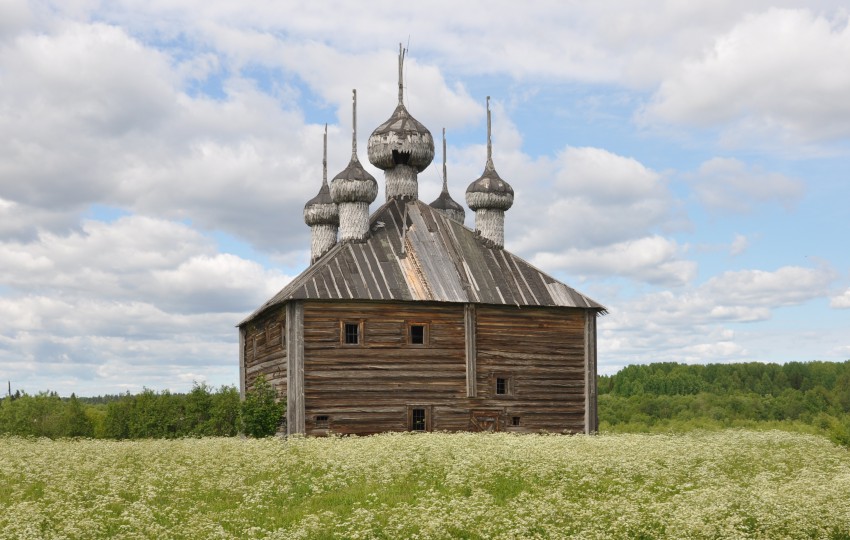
x: 597, y: 198
x: 166, y: 263
x: 138, y: 297
x: 652, y: 259
x: 779, y: 74
x: 729, y: 185
x: 789, y: 285
x: 712, y: 322
x: 606, y: 210
x: 842, y: 301
x: 739, y: 245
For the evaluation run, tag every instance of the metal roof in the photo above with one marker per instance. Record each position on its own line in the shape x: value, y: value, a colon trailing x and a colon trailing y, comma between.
x: 415, y: 253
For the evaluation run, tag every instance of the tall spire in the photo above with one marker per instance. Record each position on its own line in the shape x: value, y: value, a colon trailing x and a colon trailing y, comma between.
x: 444, y: 203
x: 401, y: 146
x: 325, y: 156
x: 321, y: 213
x: 354, y: 123
x: 401, y: 52
x: 353, y: 189
x: 489, y: 164
x: 445, y: 181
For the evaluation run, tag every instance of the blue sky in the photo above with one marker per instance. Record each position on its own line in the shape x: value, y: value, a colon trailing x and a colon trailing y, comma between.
x: 682, y: 163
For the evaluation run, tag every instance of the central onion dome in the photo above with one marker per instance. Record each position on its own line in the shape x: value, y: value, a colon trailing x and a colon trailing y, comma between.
x: 353, y: 189
x: 401, y: 146
x: 489, y: 196
x: 444, y: 203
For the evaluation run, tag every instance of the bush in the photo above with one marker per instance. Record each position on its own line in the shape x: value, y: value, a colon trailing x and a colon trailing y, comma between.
x: 261, y: 413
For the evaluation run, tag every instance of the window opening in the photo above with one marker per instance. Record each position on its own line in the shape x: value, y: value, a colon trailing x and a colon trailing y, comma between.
x: 352, y: 333
x: 322, y: 421
x: 417, y: 422
x: 417, y: 334
x: 515, y: 420
x: 501, y: 386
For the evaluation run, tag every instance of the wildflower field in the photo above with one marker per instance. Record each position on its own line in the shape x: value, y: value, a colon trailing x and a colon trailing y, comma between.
x: 723, y: 484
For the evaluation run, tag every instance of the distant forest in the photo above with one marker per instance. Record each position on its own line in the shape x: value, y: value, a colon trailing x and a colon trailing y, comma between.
x: 811, y: 397
x: 800, y: 396
x: 203, y: 412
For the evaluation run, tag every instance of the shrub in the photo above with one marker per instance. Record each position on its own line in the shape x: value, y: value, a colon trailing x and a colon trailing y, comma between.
x: 261, y: 413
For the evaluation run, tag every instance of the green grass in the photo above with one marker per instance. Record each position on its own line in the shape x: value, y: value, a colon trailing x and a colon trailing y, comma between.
x: 704, y: 484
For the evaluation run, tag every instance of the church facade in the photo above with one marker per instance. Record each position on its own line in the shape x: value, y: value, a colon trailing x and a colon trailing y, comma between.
x: 407, y: 320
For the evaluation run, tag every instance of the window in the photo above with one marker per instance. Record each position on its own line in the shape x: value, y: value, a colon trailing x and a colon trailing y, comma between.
x: 417, y: 422
x: 503, y: 384
x: 351, y: 333
x: 417, y: 334
x: 515, y: 420
x: 419, y: 417
x: 322, y: 421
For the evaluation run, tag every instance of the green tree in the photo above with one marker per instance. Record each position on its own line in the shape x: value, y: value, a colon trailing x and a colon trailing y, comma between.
x: 75, y: 423
x: 224, y: 412
x: 261, y: 413
x: 198, y: 410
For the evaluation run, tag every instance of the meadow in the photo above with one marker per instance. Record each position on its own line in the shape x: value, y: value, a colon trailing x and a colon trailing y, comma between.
x: 701, y: 484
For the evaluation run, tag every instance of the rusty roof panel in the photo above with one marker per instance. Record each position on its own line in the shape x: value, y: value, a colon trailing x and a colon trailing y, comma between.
x: 416, y: 253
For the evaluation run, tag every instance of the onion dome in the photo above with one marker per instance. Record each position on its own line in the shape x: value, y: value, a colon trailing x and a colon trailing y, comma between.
x: 489, y: 192
x: 401, y: 140
x: 444, y: 203
x: 354, y: 184
x: 321, y: 209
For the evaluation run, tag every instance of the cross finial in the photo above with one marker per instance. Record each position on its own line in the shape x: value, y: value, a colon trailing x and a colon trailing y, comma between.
x: 325, y: 157
x: 401, y: 52
x: 354, y: 123
x: 445, y: 179
x: 489, y: 137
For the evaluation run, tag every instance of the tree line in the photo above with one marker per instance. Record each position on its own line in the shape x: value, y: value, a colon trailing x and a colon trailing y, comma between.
x: 805, y: 396
x: 202, y: 412
x: 811, y: 396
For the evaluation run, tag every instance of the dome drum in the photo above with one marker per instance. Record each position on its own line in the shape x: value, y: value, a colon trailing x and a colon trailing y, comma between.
x: 401, y: 183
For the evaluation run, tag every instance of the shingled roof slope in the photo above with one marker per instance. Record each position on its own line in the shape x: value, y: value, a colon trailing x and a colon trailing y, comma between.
x: 415, y: 253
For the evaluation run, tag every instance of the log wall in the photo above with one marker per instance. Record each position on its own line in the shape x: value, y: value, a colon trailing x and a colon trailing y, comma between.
x: 264, y: 351
x: 370, y: 387
x: 540, y: 352
x: 367, y: 388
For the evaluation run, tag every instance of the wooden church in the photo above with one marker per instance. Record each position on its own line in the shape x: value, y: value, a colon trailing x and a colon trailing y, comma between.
x: 406, y: 320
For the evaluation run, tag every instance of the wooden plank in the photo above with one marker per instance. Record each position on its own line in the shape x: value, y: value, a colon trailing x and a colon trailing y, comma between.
x: 295, y: 368
x: 591, y: 420
x: 469, y: 321
x: 242, y: 362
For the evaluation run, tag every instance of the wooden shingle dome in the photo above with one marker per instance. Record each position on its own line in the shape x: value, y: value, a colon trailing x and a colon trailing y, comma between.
x: 401, y: 140
x: 353, y: 190
x: 489, y: 196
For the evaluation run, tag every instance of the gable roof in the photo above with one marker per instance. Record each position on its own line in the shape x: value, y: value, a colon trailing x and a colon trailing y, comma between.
x: 416, y: 253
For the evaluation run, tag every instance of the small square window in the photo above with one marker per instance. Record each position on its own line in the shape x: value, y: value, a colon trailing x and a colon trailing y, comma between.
x: 417, y: 334
x: 351, y: 333
x: 515, y: 420
x: 501, y: 386
x: 322, y: 421
x: 417, y: 420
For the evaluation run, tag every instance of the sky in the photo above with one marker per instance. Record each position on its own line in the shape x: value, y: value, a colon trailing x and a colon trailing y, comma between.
x: 683, y: 163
